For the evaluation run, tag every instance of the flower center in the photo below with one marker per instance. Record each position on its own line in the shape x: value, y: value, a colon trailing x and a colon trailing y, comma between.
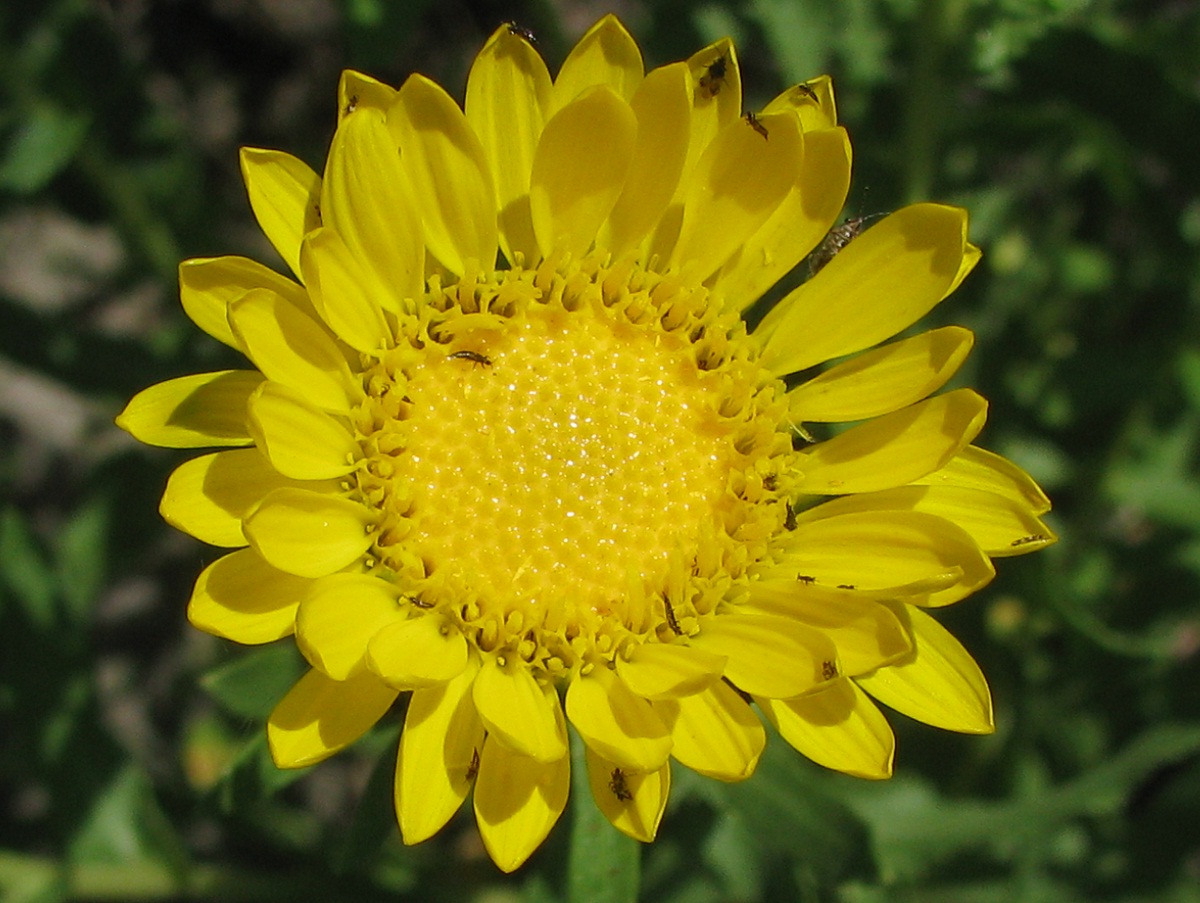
x: 553, y: 462
x: 572, y: 455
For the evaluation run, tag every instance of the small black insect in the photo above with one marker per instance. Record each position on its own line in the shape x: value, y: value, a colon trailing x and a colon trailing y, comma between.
x: 351, y: 105
x: 757, y: 125
x: 521, y: 32
x: 419, y: 602
x: 806, y: 580
x: 1026, y: 540
x: 836, y: 241
x: 713, y: 78
x: 846, y: 586
x: 807, y: 92
x: 829, y: 670
x: 671, y: 620
x: 473, y: 356
x: 473, y: 768
x: 789, y: 517
x: 618, y: 786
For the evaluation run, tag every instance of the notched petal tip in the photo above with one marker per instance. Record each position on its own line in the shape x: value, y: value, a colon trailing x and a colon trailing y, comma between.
x: 632, y: 801
x: 359, y: 91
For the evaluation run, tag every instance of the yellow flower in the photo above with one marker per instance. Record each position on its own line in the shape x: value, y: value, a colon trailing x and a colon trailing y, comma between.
x: 571, y: 486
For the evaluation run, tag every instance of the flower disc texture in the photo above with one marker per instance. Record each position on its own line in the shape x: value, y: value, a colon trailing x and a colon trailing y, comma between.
x: 507, y: 447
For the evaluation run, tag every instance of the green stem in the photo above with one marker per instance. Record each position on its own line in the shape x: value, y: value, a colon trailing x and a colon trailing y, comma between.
x: 121, y: 192
x: 924, y: 94
x: 604, y: 864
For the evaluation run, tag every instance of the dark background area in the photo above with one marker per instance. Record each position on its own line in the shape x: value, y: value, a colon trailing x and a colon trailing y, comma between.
x: 132, y: 762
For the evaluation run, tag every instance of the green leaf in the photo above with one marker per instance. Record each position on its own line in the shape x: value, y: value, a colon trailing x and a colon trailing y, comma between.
x: 252, y: 776
x: 252, y: 684
x: 126, y: 825
x: 24, y: 572
x: 788, y: 809
x: 1158, y: 479
x: 735, y: 854
x: 31, y: 879
x: 42, y: 146
x: 915, y: 828
x: 1188, y: 364
x: 374, y: 822
x: 82, y: 557
x: 604, y: 865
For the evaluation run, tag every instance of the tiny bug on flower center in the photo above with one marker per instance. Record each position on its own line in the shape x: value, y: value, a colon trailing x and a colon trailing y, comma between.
x: 473, y: 356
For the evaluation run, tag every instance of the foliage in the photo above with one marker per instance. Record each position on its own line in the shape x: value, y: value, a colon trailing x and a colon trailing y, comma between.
x: 132, y: 751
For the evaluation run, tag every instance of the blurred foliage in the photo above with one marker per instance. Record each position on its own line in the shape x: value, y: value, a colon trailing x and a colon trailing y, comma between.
x: 132, y: 757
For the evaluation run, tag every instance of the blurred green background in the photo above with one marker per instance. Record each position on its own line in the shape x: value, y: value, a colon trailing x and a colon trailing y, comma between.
x: 132, y: 764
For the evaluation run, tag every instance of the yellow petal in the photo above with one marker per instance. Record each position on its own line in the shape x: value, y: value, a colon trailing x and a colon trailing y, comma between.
x: 447, y: 175
x: 715, y: 733
x: 605, y: 55
x: 420, y: 652
x: 439, y: 756
x: 866, y: 634
x: 716, y: 98
x: 812, y: 102
x: 310, y: 534
x: 798, y: 224
x: 291, y: 348
x: 894, y: 449
x: 301, y: 441
x: 998, y: 525
x: 365, y: 200
x: 508, y: 92
x: 320, y: 717
x: 338, y: 617
x: 242, y: 598
x: 208, y: 285
x: 208, y: 496
x: 284, y: 194
x: 741, y: 179
x: 206, y: 409
x: 617, y: 724
x: 971, y: 256
x: 871, y: 550
x: 579, y: 170
x: 662, y: 106
x: 356, y: 90
x: 768, y: 656
x: 660, y: 671
x: 977, y: 468
x: 346, y: 295
x: 633, y: 801
x: 523, y: 714
x: 882, y: 282
x: 939, y: 684
x: 517, y: 802
x: 838, y: 727
x: 884, y: 380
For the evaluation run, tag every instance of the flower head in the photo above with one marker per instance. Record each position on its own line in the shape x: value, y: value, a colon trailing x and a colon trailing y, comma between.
x: 570, y: 486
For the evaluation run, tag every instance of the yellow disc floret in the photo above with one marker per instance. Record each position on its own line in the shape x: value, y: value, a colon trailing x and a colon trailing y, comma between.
x: 566, y: 455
